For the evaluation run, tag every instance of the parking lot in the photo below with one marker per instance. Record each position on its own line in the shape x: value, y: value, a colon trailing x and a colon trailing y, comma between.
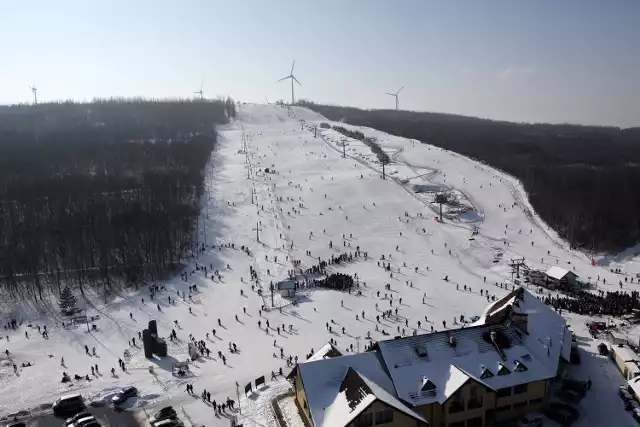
x: 106, y: 416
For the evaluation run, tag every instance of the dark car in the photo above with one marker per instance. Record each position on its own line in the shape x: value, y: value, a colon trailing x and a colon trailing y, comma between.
x: 124, y: 394
x: 164, y: 414
x: 562, y: 413
x: 68, y: 404
x: 17, y: 425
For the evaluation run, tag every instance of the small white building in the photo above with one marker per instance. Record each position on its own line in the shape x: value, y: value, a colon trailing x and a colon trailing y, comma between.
x: 559, y: 276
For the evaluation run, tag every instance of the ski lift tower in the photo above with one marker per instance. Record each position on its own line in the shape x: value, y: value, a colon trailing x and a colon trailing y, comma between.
x: 516, y: 264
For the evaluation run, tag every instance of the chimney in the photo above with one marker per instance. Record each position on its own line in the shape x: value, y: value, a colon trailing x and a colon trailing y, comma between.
x: 494, y: 341
x: 521, y: 320
x: 452, y: 341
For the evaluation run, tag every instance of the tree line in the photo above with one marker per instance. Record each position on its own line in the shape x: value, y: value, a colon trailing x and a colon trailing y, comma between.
x: 582, y: 180
x: 101, y: 194
x: 383, y: 157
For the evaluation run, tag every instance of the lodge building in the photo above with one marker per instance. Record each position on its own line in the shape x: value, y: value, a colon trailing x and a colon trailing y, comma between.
x: 493, y: 370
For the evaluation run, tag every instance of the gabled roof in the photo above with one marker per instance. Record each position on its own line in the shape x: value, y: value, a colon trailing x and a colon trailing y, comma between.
x: 327, y: 351
x: 558, y: 273
x: 323, y: 378
x: 355, y: 395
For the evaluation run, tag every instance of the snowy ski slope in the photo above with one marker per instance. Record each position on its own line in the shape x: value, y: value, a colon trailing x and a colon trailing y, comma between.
x: 313, y: 190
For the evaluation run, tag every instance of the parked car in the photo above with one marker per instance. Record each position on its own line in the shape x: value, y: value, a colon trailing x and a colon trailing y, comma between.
x: 562, y: 413
x: 69, y: 403
x: 17, y: 425
x: 86, y: 422
x: 530, y: 421
x: 603, y: 349
x: 77, y: 417
x: 164, y: 414
x: 124, y: 394
x: 168, y: 423
x: 624, y: 394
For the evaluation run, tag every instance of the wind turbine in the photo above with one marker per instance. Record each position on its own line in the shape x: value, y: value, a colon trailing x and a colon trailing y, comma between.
x: 395, y: 95
x: 200, y: 91
x: 34, y: 89
x: 292, y: 77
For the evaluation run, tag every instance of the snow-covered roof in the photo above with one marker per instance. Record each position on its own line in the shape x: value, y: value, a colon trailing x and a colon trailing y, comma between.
x: 625, y: 353
x: 528, y: 357
x: 634, y: 383
x: 356, y: 394
x: 325, y: 352
x: 322, y: 379
x: 632, y: 368
x: 341, y: 413
x: 558, y: 273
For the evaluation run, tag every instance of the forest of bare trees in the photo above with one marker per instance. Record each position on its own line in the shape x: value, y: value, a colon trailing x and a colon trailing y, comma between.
x: 582, y: 180
x: 100, y: 194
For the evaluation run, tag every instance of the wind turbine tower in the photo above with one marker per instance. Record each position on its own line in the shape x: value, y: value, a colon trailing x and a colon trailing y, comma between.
x: 395, y: 95
x: 34, y: 89
x: 292, y: 77
x: 200, y: 91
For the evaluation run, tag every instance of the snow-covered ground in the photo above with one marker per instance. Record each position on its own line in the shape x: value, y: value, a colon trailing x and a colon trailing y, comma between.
x: 313, y: 190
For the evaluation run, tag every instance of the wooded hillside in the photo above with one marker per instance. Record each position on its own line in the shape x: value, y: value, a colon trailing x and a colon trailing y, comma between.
x: 103, y: 193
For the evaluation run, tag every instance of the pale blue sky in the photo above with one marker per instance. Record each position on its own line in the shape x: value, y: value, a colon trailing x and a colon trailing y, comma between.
x: 523, y: 60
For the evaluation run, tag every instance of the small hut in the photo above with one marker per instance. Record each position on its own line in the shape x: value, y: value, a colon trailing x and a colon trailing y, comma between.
x: 287, y: 288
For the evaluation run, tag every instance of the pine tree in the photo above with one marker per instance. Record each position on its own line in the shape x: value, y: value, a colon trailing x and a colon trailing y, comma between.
x: 68, y: 301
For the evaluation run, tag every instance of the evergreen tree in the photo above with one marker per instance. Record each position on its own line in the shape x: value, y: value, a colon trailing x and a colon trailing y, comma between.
x: 68, y: 301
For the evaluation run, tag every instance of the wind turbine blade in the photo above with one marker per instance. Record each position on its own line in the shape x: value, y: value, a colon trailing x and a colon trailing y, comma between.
x: 293, y: 77
x: 292, y: 65
x: 284, y: 78
x: 391, y: 94
x: 399, y: 90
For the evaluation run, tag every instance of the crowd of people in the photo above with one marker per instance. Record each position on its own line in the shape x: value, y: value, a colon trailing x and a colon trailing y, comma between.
x: 580, y: 301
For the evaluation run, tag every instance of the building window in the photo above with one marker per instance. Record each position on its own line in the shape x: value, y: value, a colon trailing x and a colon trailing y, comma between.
x: 536, y: 401
x: 475, y: 401
x: 456, y: 424
x: 503, y: 408
x: 520, y: 388
x: 475, y: 422
x: 456, y: 406
x: 504, y: 392
x: 385, y: 416
x: 364, y: 420
x: 519, y: 405
x: 304, y: 404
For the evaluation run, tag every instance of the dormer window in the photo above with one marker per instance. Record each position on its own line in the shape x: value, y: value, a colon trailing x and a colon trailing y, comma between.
x: 486, y: 373
x: 503, y: 370
x: 519, y: 366
x: 427, y: 385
